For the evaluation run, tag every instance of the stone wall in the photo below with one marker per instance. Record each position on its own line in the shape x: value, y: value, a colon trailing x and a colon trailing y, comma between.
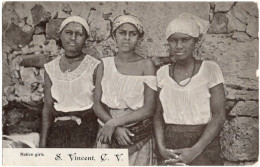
x: 30, y: 40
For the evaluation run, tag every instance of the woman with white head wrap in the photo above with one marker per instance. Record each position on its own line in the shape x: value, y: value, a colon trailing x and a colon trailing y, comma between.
x: 191, y: 105
x: 124, y: 97
x: 68, y: 120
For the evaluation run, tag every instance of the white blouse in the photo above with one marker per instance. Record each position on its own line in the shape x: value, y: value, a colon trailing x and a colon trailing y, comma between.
x: 188, y: 105
x: 73, y: 91
x: 121, y: 91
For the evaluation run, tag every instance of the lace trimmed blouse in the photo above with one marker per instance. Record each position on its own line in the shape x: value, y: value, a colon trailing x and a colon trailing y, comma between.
x: 188, y: 105
x: 123, y: 91
x: 73, y: 91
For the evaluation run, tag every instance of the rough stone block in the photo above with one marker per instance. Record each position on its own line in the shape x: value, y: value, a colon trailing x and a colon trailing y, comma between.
x: 233, y: 23
x: 234, y: 94
x: 23, y: 93
x: 240, y: 36
x: 52, y: 29
x: 34, y: 60
x: 62, y: 15
x: 39, y: 30
x: 239, y: 139
x: 219, y: 24
x: 99, y: 27
x: 248, y: 108
x: 40, y: 15
x: 223, y: 6
x: 250, y: 7
x: 38, y: 40
x: 252, y: 27
x: 13, y: 117
x: 28, y: 75
x: 51, y: 47
x: 241, y: 13
x: 15, y: 36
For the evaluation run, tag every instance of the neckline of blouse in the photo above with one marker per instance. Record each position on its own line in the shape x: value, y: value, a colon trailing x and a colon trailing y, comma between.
x: 125, y: 75
x: 75, y: 70
x: 193, y: 77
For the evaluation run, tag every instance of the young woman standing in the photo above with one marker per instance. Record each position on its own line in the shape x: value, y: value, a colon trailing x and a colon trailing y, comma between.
x: 191, y: 105
x: 125, y: 93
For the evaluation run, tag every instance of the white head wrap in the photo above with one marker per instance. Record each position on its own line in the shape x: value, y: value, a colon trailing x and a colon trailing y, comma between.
x: 76, y: 19
x: 187, y: 23
x: 128, y: 19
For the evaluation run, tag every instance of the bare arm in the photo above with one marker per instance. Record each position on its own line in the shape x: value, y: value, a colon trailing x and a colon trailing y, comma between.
x: 159, y: 125
x: 98, y: 107
x: 46, y: 112
x: 217, y: 106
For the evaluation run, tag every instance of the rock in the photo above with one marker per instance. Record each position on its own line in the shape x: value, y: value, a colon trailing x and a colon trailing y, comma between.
x: 10, y: 16
x: 229, y: 104
x: 234, y: 94
x: 240, y: 13
x: 15, y: 36
x: 39, y: 30
x: 12, y: 117
x: 219, y: 24
x: 223, y: 6
x: 248, y: 108
x: 4, y: 102
x: 34, y: 60
x: 67, y: 9
x: 52, y: 29
x: 233, y: 23
x: 252, y: 27
x: 240, y: 36
x: 9, y: 90
x: 237, y: 60
x: 99, y: 27
x: 28, y: 75
x: 6, y: 73
x: 23, y: 93
x: 51, y: 47
x: 250, y: 7
x: 239, y: 139
x: 62, y: 15
x: 40, y: 15
x: 38, y: 40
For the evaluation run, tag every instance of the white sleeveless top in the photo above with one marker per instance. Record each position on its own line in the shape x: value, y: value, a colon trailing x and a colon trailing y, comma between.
x: 188, y: 105
x: 123, y: 91
x: 73, y: 91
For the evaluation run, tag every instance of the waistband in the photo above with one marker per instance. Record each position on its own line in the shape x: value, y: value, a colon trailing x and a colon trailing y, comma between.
x: 86, y: 115
x: 180, y: 127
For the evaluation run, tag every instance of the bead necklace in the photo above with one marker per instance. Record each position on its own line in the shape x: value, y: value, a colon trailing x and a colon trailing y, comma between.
x: 193, y: 71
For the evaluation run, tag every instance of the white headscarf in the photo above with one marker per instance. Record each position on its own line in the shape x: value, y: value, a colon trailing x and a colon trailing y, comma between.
x: 189, y: 24
x: 128, y: 19
x: 76, y: 19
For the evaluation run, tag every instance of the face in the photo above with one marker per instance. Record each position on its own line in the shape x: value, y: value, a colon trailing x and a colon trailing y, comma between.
x: 127, y: 37
x: 73, y: 37
x: 181, y: 45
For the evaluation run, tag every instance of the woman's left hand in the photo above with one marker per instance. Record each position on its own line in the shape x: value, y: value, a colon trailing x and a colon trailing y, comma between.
x: 106, y: 132
x: 185, y: 155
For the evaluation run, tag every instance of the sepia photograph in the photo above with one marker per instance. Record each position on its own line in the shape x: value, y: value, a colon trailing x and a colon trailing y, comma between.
x: 130, y: 83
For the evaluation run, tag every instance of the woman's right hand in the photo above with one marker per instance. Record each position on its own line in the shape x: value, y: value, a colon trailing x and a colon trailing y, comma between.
x: 122, y: 136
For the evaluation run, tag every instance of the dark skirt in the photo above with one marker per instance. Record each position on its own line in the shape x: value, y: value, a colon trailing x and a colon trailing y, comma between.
x: 68, y: 134
x: 185, y: 136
